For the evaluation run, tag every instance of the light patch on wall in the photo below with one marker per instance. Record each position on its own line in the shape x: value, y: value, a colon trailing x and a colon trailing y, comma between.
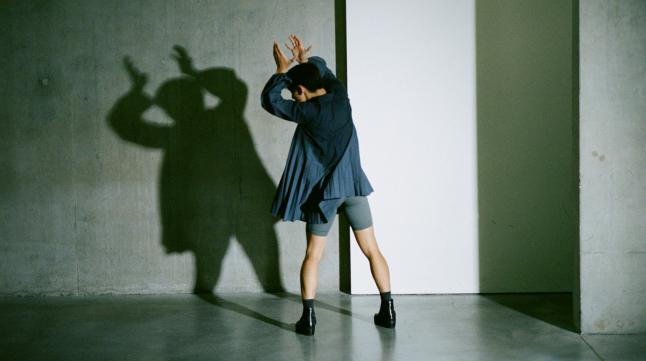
x: 210, y: 101
x: 156, y: 115
x: 237, y: 273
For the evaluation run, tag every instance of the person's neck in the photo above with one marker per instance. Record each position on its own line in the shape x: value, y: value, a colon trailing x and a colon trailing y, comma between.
x: 317, y: 93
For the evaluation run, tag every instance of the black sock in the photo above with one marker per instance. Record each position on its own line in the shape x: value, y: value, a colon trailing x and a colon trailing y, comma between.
x: 308, y: 303
x: 385, y: 297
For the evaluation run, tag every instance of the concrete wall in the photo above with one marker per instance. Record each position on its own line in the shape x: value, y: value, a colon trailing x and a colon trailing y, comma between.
x: 164, y: 205
x: 613, y: 166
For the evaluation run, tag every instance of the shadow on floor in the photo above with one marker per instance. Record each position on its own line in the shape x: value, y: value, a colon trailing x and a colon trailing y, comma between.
x: 553, y: 308
x: 217, y: 300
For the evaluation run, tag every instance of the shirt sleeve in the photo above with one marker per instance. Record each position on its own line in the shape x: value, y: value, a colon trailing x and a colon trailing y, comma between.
x: 272, y: 101
x: 331, y: 82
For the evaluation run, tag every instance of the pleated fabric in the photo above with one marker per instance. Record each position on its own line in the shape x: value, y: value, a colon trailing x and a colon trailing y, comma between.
x: 303, y: 178
x: 323, y: 163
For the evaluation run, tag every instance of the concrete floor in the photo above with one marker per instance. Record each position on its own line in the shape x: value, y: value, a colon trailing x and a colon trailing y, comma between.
x: 259, y: 327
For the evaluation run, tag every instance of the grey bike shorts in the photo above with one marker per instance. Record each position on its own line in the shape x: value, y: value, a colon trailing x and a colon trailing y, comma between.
x: 357, y: 210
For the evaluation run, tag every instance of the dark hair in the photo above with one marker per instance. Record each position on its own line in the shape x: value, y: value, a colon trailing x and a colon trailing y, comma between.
x: 307, y: 75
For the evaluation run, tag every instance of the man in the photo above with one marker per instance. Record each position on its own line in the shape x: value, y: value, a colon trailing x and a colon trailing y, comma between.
x: 323, y: 172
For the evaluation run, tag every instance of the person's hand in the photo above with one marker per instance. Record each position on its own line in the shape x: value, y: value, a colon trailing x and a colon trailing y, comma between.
x: 184, y: 61
x: 298, y: 51
x: 282, y: 63
x: 137, y: 78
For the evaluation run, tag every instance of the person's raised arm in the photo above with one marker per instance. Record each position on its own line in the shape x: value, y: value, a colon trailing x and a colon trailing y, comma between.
x: 272, y: 100
x: 299, y: 53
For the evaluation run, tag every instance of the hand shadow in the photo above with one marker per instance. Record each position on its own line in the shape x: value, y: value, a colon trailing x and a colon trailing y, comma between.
x: 212, y: 184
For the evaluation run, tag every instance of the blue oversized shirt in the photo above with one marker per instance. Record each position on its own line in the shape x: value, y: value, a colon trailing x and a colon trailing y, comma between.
x: 323, y: 164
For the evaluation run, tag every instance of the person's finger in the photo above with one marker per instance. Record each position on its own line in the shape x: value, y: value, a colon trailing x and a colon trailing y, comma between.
x: 131, y: 68
x: 180, y: 56
x: 127, y: 62
x: 280, y: 54
x: 308, y: 48
x: 277, y: 50
x: 180, y: 50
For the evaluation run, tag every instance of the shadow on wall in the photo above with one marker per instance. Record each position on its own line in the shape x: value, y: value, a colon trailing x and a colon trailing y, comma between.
x: 212, y: 184
x: 527, y: 162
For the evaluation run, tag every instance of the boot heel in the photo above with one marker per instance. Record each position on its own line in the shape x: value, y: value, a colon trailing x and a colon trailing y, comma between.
x: 384, y: 323
x: 307, y: 323
x: 308, y: 331
x: 386, y: 316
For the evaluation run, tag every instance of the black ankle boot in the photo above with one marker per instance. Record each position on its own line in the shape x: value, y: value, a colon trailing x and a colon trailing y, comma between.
x: 386, y: 316
x: 305, y: 326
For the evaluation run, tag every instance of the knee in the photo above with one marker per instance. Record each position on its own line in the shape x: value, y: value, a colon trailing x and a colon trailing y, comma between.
x: 313, y: 255
x: 373, y: 254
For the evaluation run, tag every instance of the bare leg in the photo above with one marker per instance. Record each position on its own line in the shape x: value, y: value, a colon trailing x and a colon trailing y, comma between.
x: 378, y: 266
x: 310, y: 266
